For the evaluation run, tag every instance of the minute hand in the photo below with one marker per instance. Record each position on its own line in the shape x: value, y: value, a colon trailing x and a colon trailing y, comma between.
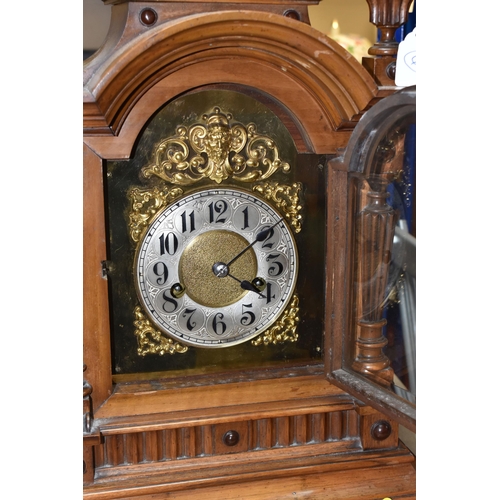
x: 261, y: 236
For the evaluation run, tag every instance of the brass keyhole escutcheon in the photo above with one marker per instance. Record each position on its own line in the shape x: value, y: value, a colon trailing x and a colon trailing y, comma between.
x: 231, y: 438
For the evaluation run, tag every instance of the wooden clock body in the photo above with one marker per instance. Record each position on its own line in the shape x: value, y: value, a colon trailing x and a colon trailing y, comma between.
x: 273, y: 431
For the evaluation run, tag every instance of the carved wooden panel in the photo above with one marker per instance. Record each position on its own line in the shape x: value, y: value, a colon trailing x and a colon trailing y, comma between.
x: 207, y: 440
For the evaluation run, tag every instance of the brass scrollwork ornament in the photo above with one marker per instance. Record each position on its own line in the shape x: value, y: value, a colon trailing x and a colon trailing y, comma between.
x: 212, y: 151
x: 286, y: 198
x: 145, y: 205
x: 285, y: 328
x: 150, y: 340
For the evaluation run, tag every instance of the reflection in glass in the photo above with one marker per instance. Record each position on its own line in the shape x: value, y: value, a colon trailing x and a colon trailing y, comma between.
x: 385, y: 269
x: 400, y: 311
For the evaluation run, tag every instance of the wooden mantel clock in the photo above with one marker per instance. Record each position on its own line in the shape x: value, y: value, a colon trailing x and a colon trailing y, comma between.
x: 237, y: 242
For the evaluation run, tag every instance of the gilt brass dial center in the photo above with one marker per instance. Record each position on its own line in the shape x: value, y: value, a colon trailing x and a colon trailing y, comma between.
x: 196, y: 268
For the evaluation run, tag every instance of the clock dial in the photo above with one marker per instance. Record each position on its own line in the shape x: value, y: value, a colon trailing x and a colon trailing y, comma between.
x: 216, y: 268
x: 150, y: 334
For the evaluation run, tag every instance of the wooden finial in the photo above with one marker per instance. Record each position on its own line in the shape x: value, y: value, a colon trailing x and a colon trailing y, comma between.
x: 387, y: 16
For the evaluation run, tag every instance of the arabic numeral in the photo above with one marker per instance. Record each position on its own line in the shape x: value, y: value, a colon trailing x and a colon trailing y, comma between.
x: 276, y: 268
x: 245, y: 218
x: 170, y: 304
x: 218, y: 326
x: 161, y: 271
x: 189, y: 313
x: 248, y: 317
x: 187, y: 220
x: 269, y: 242
x: 216, y: 212
x: 169, y: 244
x: 269, y: 294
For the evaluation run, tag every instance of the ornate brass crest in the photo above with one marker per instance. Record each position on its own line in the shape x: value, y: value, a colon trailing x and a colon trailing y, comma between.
x: 213, y: 151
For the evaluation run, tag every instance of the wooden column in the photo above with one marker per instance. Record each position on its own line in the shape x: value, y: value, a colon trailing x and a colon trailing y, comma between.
x: 375, y: 235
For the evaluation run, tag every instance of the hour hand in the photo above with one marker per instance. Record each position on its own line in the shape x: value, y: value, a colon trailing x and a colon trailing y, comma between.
x: 221, y: 270
x: 248, y: 285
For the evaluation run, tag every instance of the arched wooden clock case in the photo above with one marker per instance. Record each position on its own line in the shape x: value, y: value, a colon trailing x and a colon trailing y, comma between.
x: 230, y: 102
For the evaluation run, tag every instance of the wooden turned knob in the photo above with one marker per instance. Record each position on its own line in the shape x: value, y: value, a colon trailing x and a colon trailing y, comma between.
x: 391, y: 70
x: 148, y: 17
x: 231, y: 438
x: 292, y: 14
x: 381, y: 430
